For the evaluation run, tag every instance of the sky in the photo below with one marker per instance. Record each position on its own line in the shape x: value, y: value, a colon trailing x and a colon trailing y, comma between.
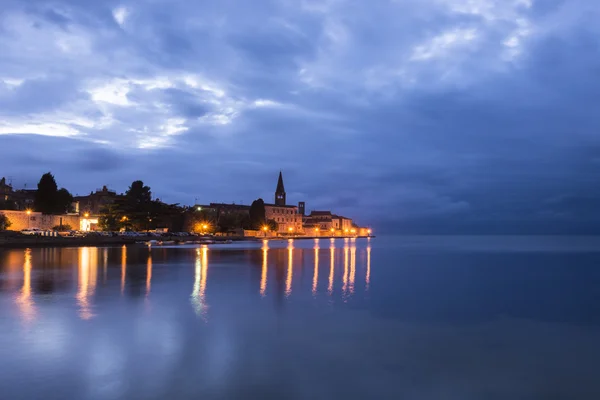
x: 416, y: 116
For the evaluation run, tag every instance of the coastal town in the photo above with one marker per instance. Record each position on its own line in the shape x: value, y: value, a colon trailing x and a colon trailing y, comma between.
x: 50, y: 211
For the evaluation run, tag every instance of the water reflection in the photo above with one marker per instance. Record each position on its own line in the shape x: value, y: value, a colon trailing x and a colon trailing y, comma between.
x: 368, y: 276
x: 25, y: 299
x: 198, y: 297
x: 352, y: 266
x: 263, y: 275
x: 316, y: 269
x: 331, y: 266
x: 136, y: 265
x: 345, y: 276
x: 88, y: 269
x: 123, y: 267
x: 290, y: 269
x: 148, y: 274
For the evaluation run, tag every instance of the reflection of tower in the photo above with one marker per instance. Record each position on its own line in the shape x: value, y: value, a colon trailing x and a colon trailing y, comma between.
x: 280, y: 192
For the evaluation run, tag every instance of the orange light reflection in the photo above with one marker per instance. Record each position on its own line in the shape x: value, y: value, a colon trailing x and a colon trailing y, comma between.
x: 352, y: 267
x: 25, y: 299
x: 368, y: 279
x: 288, y: 280
x: 316, y: 272
x: 263, y: 277
x: 331, y: 266
x: 88, y: 269
x: 123, y: 267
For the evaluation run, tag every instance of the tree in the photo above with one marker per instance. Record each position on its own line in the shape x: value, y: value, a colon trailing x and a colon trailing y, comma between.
x: 64, y: 201
x: 46, y: 195
x: 110, y: 220
x: 257, y: 214
x: 50, y: 200
x: 4, y: 222
x: 137, y: 205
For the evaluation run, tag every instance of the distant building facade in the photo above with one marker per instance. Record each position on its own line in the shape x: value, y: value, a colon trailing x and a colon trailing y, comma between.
x: 95, y: 202
x: 287, y: 217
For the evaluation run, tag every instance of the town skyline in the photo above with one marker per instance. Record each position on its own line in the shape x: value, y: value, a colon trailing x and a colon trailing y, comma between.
x: 465, y: 117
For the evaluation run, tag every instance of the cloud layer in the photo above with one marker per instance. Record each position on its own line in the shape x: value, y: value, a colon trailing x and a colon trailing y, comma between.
x: 430, y: 115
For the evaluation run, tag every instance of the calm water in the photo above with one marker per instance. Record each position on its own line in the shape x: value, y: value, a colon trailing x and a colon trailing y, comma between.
x: 398, y: 318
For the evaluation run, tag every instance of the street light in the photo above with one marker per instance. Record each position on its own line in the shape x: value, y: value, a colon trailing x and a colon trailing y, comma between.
x: 86, y: 215
x: 28, y: 212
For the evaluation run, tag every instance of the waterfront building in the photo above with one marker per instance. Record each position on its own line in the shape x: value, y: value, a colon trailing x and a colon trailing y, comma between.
x: 95, y: 202
x: 287, y: 217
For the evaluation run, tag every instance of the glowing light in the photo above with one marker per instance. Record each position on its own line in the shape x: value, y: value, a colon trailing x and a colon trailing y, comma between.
x: 28, y: 212
x: 288, y: 280
x: 353, y: 231
x: 290, y: 229
x: 25, y: 300
x: 199, y: 208
x: 263, y: 277
x: 204, y: 226
x: 86, y: 215
x: 265, y: 228
x: 369, y: 231
x: 316, y: 271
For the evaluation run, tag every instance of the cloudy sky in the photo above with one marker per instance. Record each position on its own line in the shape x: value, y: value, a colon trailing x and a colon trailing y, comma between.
x: 413, y: 115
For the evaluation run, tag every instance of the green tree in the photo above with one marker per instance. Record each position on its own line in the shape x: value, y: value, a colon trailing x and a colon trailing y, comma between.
x: 4, y: 222
x: 49, y: 199
x: 257, y: 214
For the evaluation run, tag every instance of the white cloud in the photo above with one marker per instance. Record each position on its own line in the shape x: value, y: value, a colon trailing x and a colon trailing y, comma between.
x: 114, y: 92
x: 444, y: 44
x: 46, y: 129
x: 120, y: 15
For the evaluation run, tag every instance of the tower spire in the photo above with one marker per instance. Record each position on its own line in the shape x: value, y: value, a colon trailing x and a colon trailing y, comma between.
x: 280, y: 191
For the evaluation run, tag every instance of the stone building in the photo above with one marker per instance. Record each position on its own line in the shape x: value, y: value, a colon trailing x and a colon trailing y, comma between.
x: 287, y: 217
x: 95, y: 202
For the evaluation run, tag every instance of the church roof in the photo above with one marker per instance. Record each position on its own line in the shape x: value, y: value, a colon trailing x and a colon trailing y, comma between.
x: 280, y: 188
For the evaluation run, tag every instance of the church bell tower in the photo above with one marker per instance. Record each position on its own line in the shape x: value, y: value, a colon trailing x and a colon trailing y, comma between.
x: 280, y: 192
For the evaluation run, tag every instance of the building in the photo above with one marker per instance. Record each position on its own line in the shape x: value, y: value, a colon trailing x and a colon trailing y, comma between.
x: 6, y: 190
x: 288, y: 219
x: 95, y: 202
x: 30, y: 219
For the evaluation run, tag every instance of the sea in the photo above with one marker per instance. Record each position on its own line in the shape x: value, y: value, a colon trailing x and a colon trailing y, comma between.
x: 396, y: 317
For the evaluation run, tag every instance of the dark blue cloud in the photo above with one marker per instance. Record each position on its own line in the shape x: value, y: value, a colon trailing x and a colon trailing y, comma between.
x: 421, y: 116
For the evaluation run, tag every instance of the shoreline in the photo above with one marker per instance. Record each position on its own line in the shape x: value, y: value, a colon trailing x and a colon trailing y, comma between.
x: 34, y: 241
